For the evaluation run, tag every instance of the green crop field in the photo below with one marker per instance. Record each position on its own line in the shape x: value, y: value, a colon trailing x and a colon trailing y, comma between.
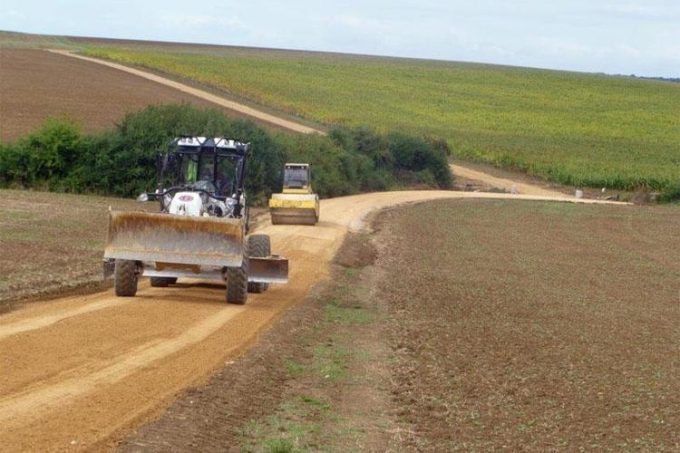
x: 578, y: 129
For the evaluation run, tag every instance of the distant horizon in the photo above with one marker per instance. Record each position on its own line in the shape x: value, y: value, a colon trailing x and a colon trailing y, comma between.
x: 284, y: 49
x: 617, y: 37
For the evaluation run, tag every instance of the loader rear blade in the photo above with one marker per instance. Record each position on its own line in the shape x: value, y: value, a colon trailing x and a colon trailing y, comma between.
x: 167, y: 238
x: 273, y: 269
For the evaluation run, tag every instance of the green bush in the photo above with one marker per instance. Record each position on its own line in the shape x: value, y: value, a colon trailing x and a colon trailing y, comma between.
x: 426, y: 158
x: 43, y: 158
x: 129, y: 161
x: 398, y: 159
x: 123, y: 161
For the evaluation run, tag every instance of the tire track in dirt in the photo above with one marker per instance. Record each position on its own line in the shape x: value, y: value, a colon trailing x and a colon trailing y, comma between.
x: 47, y: 398
x: 39, y: 322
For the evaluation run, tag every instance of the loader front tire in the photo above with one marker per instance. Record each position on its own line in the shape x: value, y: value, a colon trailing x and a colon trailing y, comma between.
x: 259, y: 246
x: 162, y: 282
x: 125, y: 278
x: 237, y: 282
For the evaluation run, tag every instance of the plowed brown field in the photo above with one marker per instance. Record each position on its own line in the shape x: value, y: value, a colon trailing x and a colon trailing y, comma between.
x: 36, y: 84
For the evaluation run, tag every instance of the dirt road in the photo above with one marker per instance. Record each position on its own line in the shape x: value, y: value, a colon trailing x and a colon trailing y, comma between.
x: 502, y: 183
x: 78, y: 370
x: 201, y: 94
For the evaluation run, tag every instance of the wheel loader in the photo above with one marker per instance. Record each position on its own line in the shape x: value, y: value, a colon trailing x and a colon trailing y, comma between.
x: 201, y: 230
x: 298, y: 204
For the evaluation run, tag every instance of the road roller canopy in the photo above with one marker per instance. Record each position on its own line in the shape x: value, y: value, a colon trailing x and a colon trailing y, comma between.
x: 296, y: 176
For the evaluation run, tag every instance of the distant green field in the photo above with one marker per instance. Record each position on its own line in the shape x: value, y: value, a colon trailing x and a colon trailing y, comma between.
x: 9, y: 39
x: 572, y: 128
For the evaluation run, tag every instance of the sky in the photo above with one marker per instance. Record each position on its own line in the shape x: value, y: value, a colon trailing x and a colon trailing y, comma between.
x: 609, y: 36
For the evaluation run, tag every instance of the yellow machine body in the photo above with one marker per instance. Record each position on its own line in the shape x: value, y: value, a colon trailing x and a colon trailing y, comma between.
x: 297, y: 204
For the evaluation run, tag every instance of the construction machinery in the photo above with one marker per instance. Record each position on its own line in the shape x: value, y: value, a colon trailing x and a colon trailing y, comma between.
x: 201, y: 230
x: 298, y: 204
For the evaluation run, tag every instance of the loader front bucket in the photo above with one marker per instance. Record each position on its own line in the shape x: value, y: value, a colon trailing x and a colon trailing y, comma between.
x: 290, y: 209
x: 168, y: 238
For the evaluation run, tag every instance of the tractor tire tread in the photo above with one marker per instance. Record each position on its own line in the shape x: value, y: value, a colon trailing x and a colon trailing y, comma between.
x: 259, y: 246
x: 237, y: 282
x: 125, y: 278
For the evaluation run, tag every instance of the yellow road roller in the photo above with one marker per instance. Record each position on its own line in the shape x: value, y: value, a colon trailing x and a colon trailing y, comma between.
x: 297, y: 204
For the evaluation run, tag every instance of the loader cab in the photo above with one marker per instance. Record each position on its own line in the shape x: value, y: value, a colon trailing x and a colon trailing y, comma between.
x: 214, y: 165
x: 297, y: 178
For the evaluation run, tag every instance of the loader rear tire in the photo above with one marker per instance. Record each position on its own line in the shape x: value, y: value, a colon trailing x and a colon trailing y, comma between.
x: 125, y: 278
x: 237, y: 281
x: 259, y: 246
x: 162, y: 282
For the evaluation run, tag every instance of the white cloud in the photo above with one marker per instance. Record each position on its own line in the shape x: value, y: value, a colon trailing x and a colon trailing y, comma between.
x: 199, y: 21
x: 12, y: 14
x: 637, y: 11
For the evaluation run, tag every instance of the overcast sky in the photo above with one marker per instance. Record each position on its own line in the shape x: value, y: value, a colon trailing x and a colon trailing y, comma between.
x: 613, y: 36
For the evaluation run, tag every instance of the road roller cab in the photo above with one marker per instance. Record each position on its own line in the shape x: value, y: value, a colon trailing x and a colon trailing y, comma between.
x: 297, y: 204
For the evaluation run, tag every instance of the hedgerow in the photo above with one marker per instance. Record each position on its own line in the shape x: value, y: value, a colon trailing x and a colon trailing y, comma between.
x: 122, y: 161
